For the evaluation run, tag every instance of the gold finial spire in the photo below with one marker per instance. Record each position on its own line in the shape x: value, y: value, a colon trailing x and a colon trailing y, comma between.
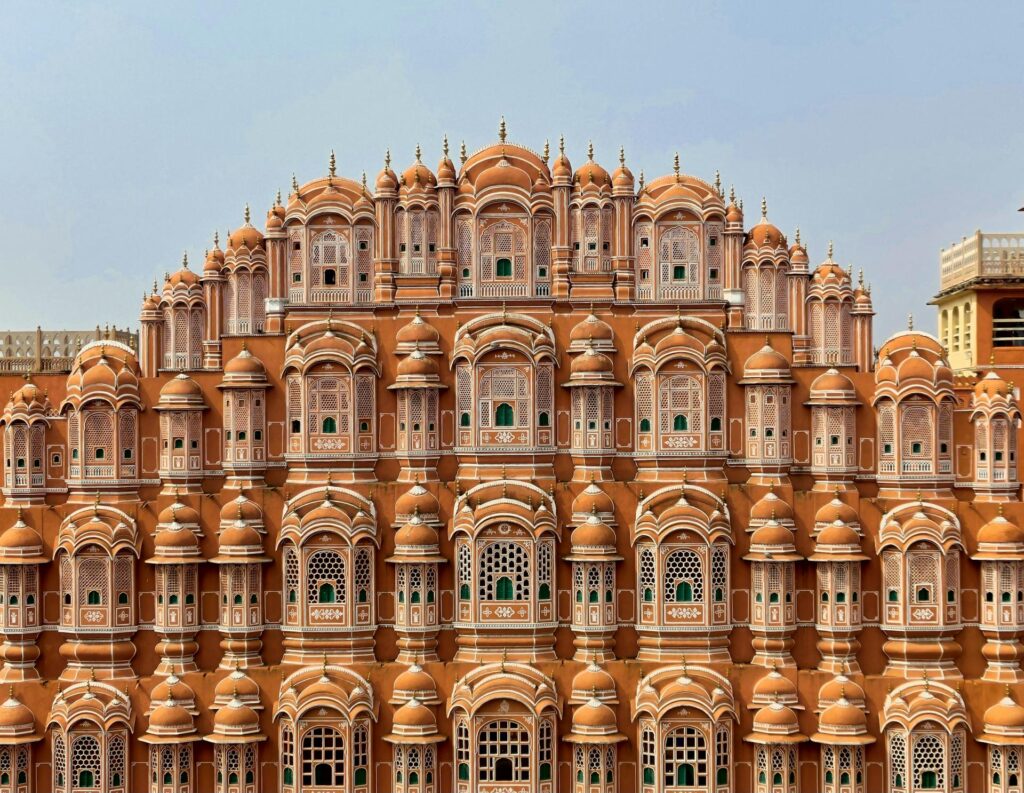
x: 247, y: 214
x: 216, y: 239
x: 732, y: 194
x: 910, y: 321
x: 444, y: 145
x: 501, y: 130
x: 364, y: 181
x: 718, y: 182
x: 797, y: 235
x: 764, y: 208
x: 462, y: 153
x: 419, y: 152
x: 332, y: 165
x: 277, y: 198
x: 675, y: 166
x: 590, y: 150
x: 641, y: 182
x: 184, y: 260
x: 547, y: 150
x: 622, y: 156
x: 295, y: 184
x: 860, y: 278
x: 830, y: 249
x: 561, y: 145
x: 387, y: 159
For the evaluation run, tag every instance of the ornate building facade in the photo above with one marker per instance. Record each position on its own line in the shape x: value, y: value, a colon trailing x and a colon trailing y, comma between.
x: 510, y: 477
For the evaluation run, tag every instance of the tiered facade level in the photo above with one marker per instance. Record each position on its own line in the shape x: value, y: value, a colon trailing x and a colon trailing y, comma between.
x: 510, y: 478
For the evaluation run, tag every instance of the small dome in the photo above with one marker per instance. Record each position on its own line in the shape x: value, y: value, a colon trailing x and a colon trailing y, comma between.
x: 771, y: 507
x: 772, y: 534
x: 179, y: 540
x: 593, y: 499
x: 181, y: 388
x: 838, y: 534
x: 172, y: 687
x: 179, y: 513
x: 593, y: 681
x: 415, y: 682
x: 386, y: 179
x: 240, y: 508
x: 237, y: 718
x: 776, y: 718
x: 416, y: 715
x: 775, y: 687
x: 246, y: 236
x: 240, y: 537
x: 169, y: 716
x: 16, y: 716
x: 766, y: 359
x: 1001, y: 531
x: 416, y: 533
x: 184, y: 277
x: 590, y: 175
x: 844, y: 714
x: 837, y: 510
x: 236, y: 685
x: 593, y: 533
x: 591, y: 329
x: 840, y: 687
x: 992, y: 385
x: 764, y: 234
x: 418, y: 176
x: 561, y: 168
x: 418, y: 332
x: 594, y: 716
x: 20, y: 541
x: 245, y: 363
x: 417, y: 499
x: 214, y: 259
x: 1005, y: 714
x: 504, y: 174
x: 417, y: 365
x: 591, y: 363
x: 830, y: 383
x: 733, y: 214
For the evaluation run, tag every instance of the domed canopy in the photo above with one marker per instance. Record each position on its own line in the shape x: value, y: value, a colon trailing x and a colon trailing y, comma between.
x: 832, y: 388
x: 912, y: 362
x: 21, y: 544
x: 17, y: 724
x: 240, y: 543
x: 999, y: 539
x: 172, y: 687
x: 418, y: 334
x: 417, y: 542
x: 415, y: 683
x: 840, y: 687
x: 246, y: 236
x: 775, y: 723
x: 245, y: 369
x: 242, y: 509
x: 594, y: 722
x: 592, y: 332
x: 236, y: 722
x: 593, y: 683
x: 767, y: 365
x: 592, y: 540
x: 414, y: 723
x: 591, y: 177
x: 170, y: 722
x: 181, y: 393
x: 106, y: 371
x: 237, y: 685
x: 775, y: 687
x: 417, y: 500
x: 844, y: 724
x: 29, y: 403
x: 836, y: 510
x: 838, y: 542
x: 773, y: 542
x: 765, y: 235
x: 591, y: 368
x: 593, y: 500
x: 771, y: 507
x: 1004, y: 723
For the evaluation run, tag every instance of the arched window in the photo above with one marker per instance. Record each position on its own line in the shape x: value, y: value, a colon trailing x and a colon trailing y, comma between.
x: 323, y: 758
x: 684, y: 578
x: 503, y: 752
x: 330, y: 425
x: 503, y: 268
x: 504, y: 416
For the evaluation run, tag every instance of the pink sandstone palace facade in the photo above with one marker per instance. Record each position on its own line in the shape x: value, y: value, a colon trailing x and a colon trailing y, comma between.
x: 510, y: 477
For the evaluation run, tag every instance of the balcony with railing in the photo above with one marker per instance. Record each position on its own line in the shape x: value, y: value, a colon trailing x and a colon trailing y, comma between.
x: 982, y: 255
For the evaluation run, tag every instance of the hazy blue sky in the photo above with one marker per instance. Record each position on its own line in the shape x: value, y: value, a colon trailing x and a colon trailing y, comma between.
x: 130, y: 132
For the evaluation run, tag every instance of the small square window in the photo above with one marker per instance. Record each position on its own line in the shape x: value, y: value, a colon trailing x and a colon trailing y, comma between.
x: 712, y: 242
x: 431, y: 247
x: 362, y: 278
x: 713, y: 273
x: 591, y: 246
x: 645, y: 242
x: 296, y: 246
x: 296, y: 278
x: 402, y: 247
x: 915, y: 448
x: 645, y: 275
x: 364, y: 426
x: 605, y: 246
x: 943, y: 448
x: 364, y: 245
x: 834, y: 440
x: 257, y: 435
x: 575, y: 246
x: 416, y: 247
x: 194, y: 444
x: 887, y: 448
x: 55, y: 460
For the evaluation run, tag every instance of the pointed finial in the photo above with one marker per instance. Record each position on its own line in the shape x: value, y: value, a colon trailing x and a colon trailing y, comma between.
x: 830, y: 249
x: 910, y: 321
x: 675, y: 166
x: 590, y: 150
x: 184, y: 260
x: 295, y: 184
x: 732, y: 194
x: 364, y: 181
x: 622, y: 156
x: 247, y: 213
x: 419, y: 152
x: 561, y: 145
x: 764, y: 208
x: 387, y: 159
x: 718, y: 182
x: 216, y: 239
x: 444, y: 145
x: 462, y: 153
x: 547, y: 149
x: 277, y: 198
x: 332, y: 166
x: 860, y: 278
x: 797, y: 235
x: 501, y: 130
